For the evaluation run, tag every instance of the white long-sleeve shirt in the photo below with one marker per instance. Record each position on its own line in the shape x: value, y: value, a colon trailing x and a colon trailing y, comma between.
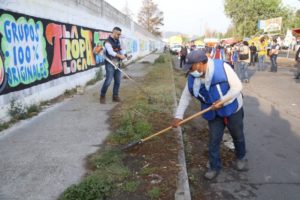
x: 234, y: 92
x: 110, y: 50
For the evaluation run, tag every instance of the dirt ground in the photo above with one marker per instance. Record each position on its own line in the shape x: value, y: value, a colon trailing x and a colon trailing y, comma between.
x: 195, y: 135
x: 153, y: 164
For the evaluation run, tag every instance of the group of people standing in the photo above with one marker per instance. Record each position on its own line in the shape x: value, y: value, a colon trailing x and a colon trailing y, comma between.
x: 242, y: 55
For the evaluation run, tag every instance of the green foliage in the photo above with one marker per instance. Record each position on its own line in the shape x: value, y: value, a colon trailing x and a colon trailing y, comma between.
x: 17, y: 110
x: 148, y: 170
x: 3, y: 125
x: 132, y: 126
x: 106, y: 158
x: 131, y: 186
x: 154, y: 193
x: 91, y: 188
x: 160, y: 59
x: 245, y: 14
x: 33, y: 109
x: 70, y: 92
x: 109, y: 170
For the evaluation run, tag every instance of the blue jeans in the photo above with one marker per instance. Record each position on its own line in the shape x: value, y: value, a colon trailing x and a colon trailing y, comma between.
x: 261, y: 60
x: 216, y: 128
x: 253, y: 57
x: 111, y: 73
x: 243, y: 70
x: 273, y: 63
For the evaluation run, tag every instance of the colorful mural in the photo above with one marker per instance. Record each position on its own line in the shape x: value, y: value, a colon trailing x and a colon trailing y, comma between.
x: 35, y: 50
x: 24, y: 50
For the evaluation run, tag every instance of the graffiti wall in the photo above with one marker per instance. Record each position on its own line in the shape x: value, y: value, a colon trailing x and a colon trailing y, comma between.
x: 34, y: 50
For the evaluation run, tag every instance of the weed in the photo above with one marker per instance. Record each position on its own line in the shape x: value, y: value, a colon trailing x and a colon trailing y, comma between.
x: 17, y: 111
x: 154, y: 193
x: 3, y: 125
x: 131, y: 186
x: 33, y: 109
x: 106, y: 158
x: 148, y: 170
x: 91, y: 188
x: 160, y: 59
x: 70, y: 92
x: 109, y: 165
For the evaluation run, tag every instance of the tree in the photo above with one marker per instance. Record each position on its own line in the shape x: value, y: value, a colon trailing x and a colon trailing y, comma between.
x: 151, y: 17
x: 246, y: 13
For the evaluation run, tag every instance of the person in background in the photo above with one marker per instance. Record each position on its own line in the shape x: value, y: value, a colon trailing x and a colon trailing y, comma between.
x: 297, y: 64
x: 253, y: 51
x: 183, y: 52
x: 244, y: 61
x: 262, y: 52
x: 273, y: 55
x: 210, y: 81
x: 218, y: 52
x: 235, y: 57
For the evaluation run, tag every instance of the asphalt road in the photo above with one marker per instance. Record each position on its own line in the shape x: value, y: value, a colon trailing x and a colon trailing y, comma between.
x: 272, y: 131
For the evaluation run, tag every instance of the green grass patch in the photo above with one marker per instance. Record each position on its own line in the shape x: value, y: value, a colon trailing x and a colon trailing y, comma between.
x: 131, y: 186
x: 3, y: 125
x: 148, y: 170
x: 17, y: 111
x: 161, y: 59
x: 70, y: 92
x: 91, y: 188
x: 132, y: 127
x: 132, y: 120
x: 154, y: 193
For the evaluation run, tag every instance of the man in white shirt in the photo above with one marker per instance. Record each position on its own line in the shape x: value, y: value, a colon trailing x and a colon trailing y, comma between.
x: 210, y: 81
x: 115, y: 53
x: 273, y: 55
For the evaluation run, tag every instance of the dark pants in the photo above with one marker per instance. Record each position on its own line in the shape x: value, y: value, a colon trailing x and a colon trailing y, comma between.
x: 111, y: 73
x: 297, y: 74
x: 216, y: 128
x: 253, y: 59
x: 182, y: 60
x: 273, y: 63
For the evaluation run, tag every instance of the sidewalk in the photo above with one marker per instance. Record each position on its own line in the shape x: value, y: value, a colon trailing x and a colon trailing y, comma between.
x: 42, y: 156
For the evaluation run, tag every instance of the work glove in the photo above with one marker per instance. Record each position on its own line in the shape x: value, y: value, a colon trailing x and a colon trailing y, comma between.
x: 175, y: 122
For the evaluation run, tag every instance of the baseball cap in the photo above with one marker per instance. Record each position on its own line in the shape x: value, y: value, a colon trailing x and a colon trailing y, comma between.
x: 193, y: 57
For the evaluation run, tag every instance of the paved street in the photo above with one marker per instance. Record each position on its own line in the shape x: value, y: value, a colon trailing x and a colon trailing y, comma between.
x: 272, y: 113
x: 42, y: 156
x: 272, y: 130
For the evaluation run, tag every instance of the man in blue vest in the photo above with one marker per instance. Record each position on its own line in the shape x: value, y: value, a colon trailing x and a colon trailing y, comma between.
x: 210, y: 81
x: 114, y: 52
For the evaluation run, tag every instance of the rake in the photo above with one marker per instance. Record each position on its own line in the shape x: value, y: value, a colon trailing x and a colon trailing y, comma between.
x: 135, y: 143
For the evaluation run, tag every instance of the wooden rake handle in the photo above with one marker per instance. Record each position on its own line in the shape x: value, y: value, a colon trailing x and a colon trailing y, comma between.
x: 185, y: 120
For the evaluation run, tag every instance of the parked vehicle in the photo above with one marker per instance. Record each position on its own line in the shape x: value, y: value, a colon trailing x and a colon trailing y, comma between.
x: 175, y: 48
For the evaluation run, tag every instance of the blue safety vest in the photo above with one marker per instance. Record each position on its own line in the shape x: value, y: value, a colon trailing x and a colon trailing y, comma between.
x: 219, y: 84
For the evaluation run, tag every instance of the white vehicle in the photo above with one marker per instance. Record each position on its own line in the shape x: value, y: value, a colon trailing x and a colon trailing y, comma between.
x: 175, y: 48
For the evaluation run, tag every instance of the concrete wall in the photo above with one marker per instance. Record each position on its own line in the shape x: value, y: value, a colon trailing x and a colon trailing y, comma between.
x: 46, y: 46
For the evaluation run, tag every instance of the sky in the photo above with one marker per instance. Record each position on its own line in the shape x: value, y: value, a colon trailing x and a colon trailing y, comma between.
x: 190, y: 16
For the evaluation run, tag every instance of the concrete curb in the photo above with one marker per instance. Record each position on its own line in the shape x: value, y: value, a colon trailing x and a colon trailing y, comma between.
x: 183, y: 188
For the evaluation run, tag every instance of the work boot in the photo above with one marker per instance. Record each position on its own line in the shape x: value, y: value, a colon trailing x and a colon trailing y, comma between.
x: 116, y: 99
x: 102, y: 100
x: 211, y: 174
x: 241, y: 164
